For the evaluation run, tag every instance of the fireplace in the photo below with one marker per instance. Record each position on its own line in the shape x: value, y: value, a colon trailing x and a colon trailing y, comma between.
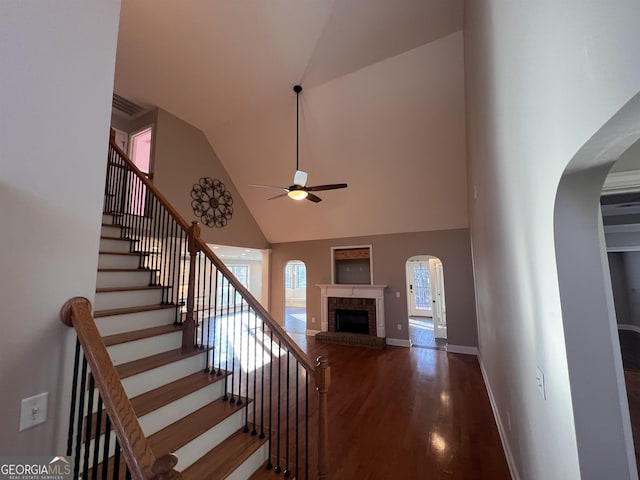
x: 369, y: 298
x: 353, y: 315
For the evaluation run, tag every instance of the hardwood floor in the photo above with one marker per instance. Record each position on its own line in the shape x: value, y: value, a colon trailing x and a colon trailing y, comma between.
x: 408, y: 413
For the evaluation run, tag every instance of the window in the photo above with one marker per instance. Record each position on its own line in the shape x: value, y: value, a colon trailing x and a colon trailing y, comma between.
x: 225, y: 289
x: 295, y: 275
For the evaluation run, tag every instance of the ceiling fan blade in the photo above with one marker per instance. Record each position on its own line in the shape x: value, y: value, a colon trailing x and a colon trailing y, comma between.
x: 279, y: 196
x: 333, y: 186
x: 314, y: 198
x: 268, y: 186
x: 300, y: 178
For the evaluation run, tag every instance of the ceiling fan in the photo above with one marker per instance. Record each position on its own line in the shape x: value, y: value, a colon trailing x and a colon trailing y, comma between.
x: 299, y: 190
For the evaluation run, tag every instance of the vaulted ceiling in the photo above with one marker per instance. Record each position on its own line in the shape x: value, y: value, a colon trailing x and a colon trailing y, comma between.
x: 382, y: 107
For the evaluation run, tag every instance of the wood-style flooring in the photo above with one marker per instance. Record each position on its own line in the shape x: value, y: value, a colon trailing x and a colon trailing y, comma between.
x: 408, y: 413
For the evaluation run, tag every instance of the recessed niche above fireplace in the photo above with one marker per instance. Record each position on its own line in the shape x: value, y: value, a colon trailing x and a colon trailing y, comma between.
x: 351, y: 265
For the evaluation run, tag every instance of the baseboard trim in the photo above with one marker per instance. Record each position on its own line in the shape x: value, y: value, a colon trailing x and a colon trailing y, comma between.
x: 398, y: 342
x: 311, y: 333
x: 626, y: 326
x: 501, y: 431
x: 462, y: 349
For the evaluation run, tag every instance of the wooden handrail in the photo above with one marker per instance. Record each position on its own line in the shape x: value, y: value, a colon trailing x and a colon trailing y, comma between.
x: 320, y: 371
x: 137, y: 453
x: 302, y: 357
x: 143, y: 176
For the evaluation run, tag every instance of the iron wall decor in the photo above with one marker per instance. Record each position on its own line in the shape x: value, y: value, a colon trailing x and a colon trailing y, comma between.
x: 212, y: 202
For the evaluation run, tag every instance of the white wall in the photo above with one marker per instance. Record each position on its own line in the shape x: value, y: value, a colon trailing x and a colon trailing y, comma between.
x: 56, y: 82
x: 541, y: 78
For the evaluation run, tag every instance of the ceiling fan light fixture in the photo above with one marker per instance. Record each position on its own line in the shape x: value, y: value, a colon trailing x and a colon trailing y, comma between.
x: 298, y: 194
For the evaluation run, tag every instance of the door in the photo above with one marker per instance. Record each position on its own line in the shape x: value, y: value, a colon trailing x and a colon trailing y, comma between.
x: 436, y: 274
x: 419, y: 288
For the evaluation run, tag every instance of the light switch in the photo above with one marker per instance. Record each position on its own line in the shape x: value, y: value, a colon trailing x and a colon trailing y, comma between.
x: 33, y: 411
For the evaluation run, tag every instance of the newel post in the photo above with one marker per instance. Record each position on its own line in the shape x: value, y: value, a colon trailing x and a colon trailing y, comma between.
x: 323, y: 380
x: 189, y: 325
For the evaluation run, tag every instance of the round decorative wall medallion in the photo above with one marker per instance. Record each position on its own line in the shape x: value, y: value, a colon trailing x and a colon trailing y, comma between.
x: 212, y: 202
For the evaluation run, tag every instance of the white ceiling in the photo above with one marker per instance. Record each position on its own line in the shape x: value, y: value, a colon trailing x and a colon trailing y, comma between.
x: 382, y: 107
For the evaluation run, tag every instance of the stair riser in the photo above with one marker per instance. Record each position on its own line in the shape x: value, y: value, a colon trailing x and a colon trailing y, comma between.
x: 132, y: 298
x: 154, y: 378
x: 124, y: 279
x: 164, y: 416
x: 109, y: 231
x: 108, y: 245
x: 252, y: 464
x: 129, y: 351
x: 192, y: 451
x: 118, y: 261
x: 133, y: 321
x: 110, y: 219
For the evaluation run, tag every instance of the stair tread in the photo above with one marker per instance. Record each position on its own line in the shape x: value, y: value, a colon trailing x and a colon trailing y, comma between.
x: 158, y: 397
x: 114, y: 225
x: 146, y: 270
x: 225, y: 458
x: 127, y: 289
x: 126, y: 310
x: 134, y: 335
x: 106, y: 237
x: 263, y: 474
x: 179, y: 433
x: 118, y: 253
x: 164, y: 395
x: 147, y: 363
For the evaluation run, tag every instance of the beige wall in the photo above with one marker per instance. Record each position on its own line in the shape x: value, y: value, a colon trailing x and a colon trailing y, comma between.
x: 180, y: 156
x: 541, y: 79
x: 390, y: 254
x: 57, y: 79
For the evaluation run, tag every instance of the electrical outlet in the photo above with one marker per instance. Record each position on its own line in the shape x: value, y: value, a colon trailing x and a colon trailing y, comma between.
x: 399, y: 326
x: 313, y: 319
x: 397, y: 294
x: 33, y: 411
x: 540, y: 383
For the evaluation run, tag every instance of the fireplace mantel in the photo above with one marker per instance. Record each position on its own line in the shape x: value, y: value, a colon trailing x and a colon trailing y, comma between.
x: 355, y: 291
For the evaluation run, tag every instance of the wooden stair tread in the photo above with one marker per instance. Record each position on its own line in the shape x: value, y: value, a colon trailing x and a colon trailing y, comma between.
x: 144, y: 269
x: 183, y: 431
x: 164, y: 395
x: 179, y: 433
x: 126, y: 310
x: 140, y: 334
x: 105, y: 237
x: 158, y: 397
x: 127, y: 289
x: 113, y: 224
x: 147, y: 363
x: 263, y: 474
x: 119, y: 253
x: 225, y: 458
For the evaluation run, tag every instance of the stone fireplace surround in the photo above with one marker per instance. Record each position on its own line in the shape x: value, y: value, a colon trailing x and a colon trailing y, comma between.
x: 351, y: 293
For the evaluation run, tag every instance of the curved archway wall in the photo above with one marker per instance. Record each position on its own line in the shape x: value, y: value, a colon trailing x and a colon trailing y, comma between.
x: 543, y: 78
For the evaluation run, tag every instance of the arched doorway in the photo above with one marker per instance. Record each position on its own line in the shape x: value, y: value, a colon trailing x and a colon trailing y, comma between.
x: 426, y: 302
x: 295, y: 297
x: 589, y: 320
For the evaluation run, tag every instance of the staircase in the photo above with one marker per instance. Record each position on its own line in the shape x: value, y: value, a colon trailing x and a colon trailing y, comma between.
x: 202, y: 370
x: 180, y: 408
